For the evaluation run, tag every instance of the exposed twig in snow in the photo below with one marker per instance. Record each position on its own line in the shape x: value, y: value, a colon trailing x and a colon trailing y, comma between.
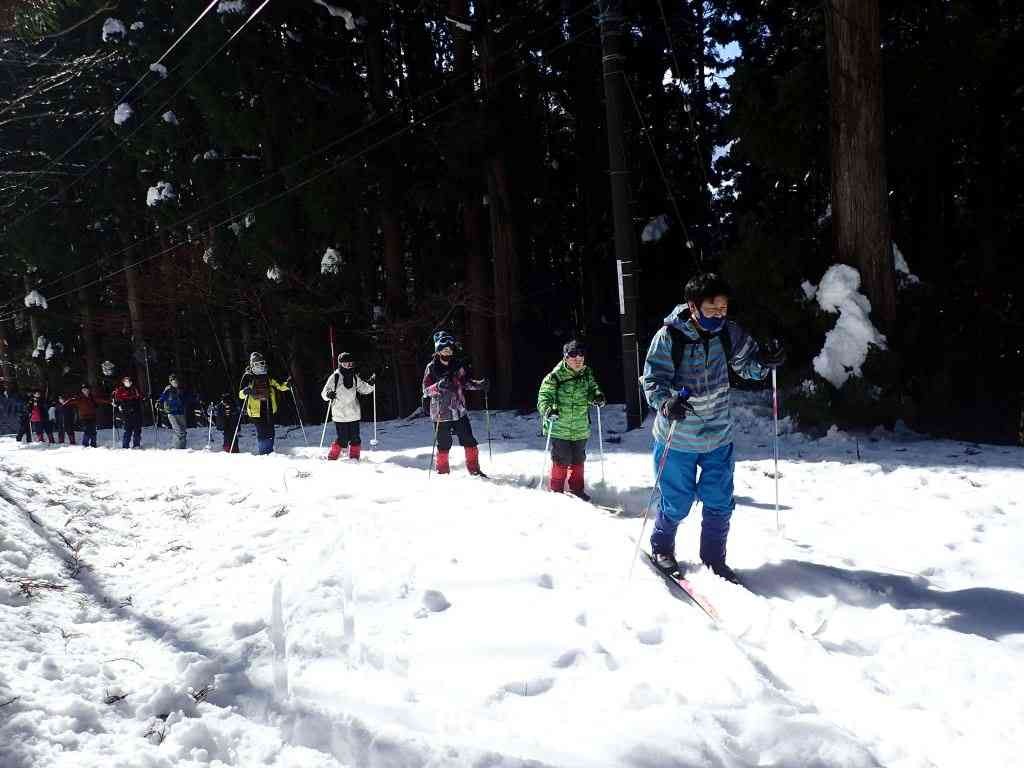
x: 133, y: 661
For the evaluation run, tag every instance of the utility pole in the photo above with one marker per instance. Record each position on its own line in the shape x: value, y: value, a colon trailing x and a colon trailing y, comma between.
x: 612, y: 23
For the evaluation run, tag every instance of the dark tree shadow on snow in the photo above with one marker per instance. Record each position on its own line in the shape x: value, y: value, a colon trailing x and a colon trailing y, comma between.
x: 985, y: 611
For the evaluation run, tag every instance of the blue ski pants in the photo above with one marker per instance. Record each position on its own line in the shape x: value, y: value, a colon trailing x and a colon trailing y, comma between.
x: 681, y: 486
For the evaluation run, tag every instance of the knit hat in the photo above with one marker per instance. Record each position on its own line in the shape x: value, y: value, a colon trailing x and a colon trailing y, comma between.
x: 443, y: 339
x: 574, y: 347
x: 346, y: 357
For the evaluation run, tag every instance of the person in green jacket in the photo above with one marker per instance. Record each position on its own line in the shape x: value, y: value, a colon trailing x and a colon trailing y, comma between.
x: 564, y: 401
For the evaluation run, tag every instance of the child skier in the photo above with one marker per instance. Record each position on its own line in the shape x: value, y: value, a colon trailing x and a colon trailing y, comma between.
x: 345, y: 409
x: 128, y: 402
x: 564, y: 401
x: 174, y: 401
x: 226, y: 415
x: 444, y: 381
x: 85, y: 403
x: 259, y: 393
x: 39, y: 416
x: 686, y: 381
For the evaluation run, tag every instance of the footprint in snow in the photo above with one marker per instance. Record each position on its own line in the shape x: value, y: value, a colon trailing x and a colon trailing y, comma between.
x: 652, y: 636
x: 546, y: 581
x: 435, y: 601
x: 568, y: 658
x: 533, y: 687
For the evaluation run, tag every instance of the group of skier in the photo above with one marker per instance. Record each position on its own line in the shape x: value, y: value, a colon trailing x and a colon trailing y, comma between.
x: 685, y: 380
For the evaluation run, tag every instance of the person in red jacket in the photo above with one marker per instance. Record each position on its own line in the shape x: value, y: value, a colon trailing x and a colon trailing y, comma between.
x: 85, y: 403
x: 128, y: 402
x: 38, y: 410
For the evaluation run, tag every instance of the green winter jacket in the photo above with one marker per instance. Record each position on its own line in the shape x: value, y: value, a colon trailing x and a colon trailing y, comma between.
x: 572, y: 394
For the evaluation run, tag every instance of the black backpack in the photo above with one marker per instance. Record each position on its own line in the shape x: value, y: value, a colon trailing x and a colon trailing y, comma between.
x: 680, y: 340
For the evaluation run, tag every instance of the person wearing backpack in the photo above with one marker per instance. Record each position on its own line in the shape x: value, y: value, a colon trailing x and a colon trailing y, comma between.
x: 64, y: 416
x: 686, y: 381
x: 259, y: 393
x: 128, y: 403
x: 564, y: 401
x: 175, y: 402
x: 342, y: 391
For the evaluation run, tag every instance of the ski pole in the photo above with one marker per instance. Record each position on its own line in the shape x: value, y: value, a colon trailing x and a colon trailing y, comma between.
x: 650, y: 502
x: 433, y: 445
x: 298, y: 414
x: 373, y: 443
x: 600, y: 440
x: 209, y: 434
x: 327, y: 415
x: 487, y: 409
x: 775, y: 418
x: 547, y: 447
x: 238, y: 426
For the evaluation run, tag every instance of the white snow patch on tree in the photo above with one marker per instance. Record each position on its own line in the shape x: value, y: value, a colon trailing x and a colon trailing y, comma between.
x: 163, y: 192
x: 210, y: 258
x: 810, y: 289
x: 655, y: 229
x: 113, y: 29
x: 330, y: 264
x: 123, y: 113
x: 846, y: 345
x: 158, y: 69
x: 350, y: 22
x: 50, y: 352
x: 904, y: 277
x: 274, y: 274
x: 236, y: 228
x: 169, y: 117
x: 136, y: 26
x: 464, y: 26
x: 232, y: 6
x: 211, y: 154
x: 36, y: 299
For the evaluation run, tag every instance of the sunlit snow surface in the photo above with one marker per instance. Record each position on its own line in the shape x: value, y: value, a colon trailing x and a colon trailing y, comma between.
x: 369, y: 615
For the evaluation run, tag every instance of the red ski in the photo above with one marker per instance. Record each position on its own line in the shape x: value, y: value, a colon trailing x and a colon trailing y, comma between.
x: 683, y: 589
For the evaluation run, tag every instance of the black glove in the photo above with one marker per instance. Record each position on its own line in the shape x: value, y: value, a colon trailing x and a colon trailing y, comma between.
x: 600, y: 401
x: 675, y: 408
x: 248, y: 390
x: 552, y: 414
x: 331, y: 394
x: 772, y: 354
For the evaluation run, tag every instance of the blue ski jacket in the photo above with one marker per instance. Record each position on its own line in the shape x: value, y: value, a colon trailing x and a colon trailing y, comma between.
x: 703, y: 370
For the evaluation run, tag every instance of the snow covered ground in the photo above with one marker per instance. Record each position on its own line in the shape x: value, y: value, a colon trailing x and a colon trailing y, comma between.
x: 185, y: 608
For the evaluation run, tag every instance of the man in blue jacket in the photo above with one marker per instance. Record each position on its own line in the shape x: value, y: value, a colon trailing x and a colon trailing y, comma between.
x: 686, y: 381
x: 174, y: 401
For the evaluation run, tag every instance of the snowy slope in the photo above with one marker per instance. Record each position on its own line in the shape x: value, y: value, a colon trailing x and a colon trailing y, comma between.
x: 287, y: 611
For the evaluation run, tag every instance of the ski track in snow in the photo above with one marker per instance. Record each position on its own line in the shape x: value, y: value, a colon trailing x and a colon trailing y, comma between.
x: 188, y: 608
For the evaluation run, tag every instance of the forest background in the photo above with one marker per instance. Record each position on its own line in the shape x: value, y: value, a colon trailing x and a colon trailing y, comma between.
x: 388, y: 168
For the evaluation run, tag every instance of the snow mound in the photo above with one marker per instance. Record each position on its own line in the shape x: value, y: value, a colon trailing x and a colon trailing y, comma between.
x: 163, y: 192
x: 656, y: 229
x: 846, y: 345
x: 350, y: 22
x: 113, y: 29
x: 123, y: 113
x: 36, y: 299
x: 330, y: 264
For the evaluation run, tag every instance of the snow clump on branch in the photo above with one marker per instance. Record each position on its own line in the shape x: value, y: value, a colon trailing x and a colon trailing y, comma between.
x: 36, y: 299
x: 113, y: 29
x: 158, y: 69
x: 274, y: 274
x: 350, y: 22
x: 232, y: 6
x: 123, y: 113
x: 655, y: 229
x: 330, y: 264
x: 846, y: 345
x: 163, y: 192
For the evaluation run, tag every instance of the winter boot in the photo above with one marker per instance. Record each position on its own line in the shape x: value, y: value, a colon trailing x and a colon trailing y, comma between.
x: 71, y: 438
x: 714, y: 532
x: 353, y: 451
x: 557, y: 481
x: 665, y: 561
x: 473, y: 460
x: 576, y: 482
x: 442, y: 463
x: 335, y: 451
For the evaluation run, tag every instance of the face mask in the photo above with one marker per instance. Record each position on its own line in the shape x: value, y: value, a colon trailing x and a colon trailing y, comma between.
x: 710, y: 324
